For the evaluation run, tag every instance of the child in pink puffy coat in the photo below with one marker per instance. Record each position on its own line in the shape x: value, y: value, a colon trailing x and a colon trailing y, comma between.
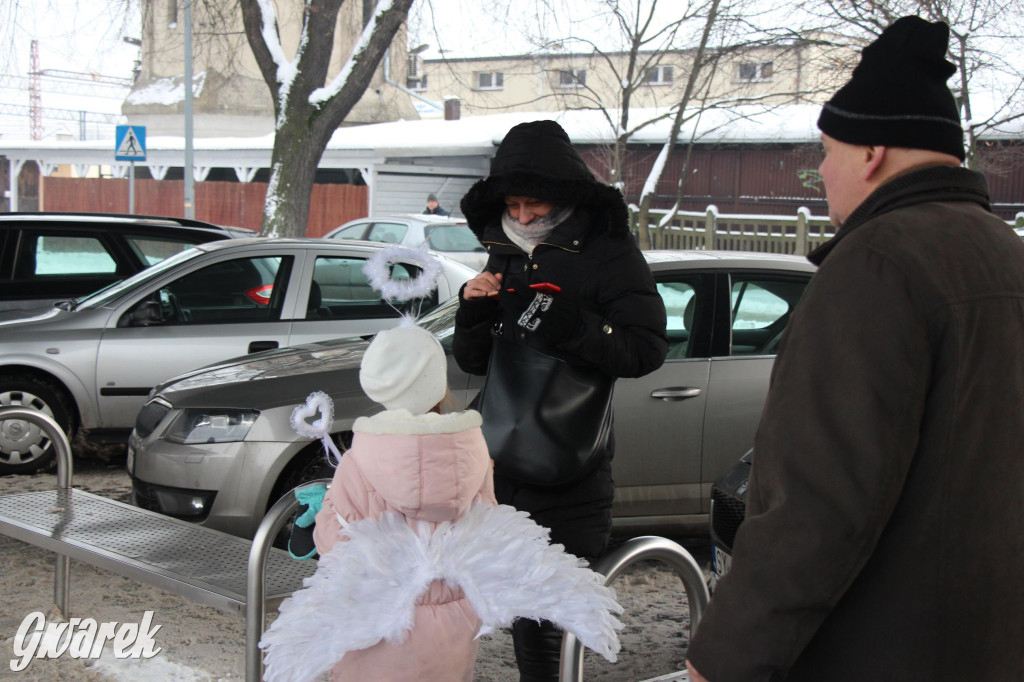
x: 409, y: 518
x: 426, y: 466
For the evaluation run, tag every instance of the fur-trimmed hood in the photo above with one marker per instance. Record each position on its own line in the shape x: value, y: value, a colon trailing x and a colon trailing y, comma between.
x: 537, y: 159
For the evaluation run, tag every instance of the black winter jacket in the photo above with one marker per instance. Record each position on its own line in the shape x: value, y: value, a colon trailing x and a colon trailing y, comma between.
x: 620, y: 326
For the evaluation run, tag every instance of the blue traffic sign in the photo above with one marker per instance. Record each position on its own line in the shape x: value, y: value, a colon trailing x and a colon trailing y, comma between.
x: 130, y: 143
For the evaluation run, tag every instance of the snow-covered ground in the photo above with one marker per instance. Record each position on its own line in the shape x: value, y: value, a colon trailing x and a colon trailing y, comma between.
x: 202, y: 644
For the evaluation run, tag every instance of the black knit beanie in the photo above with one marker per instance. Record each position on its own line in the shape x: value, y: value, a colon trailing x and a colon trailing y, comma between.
x: 897, y: 95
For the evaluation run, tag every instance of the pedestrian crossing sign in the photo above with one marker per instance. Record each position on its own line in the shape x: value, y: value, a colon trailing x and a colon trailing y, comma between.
x: 130, y: 143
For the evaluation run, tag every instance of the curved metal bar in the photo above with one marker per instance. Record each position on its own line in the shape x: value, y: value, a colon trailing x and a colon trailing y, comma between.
x: 255, y: 586
x: 611, y: 565
x: 65, y: 471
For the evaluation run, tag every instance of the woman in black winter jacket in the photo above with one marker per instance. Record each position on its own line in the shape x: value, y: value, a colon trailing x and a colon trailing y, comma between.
x: 544, y: 218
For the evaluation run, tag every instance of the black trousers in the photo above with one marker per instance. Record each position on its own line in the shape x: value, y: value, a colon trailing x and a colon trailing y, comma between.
x: 580, y: 518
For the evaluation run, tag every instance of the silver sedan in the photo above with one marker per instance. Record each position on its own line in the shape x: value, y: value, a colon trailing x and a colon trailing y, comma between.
x: 215, y: 446
x: 91, y: 363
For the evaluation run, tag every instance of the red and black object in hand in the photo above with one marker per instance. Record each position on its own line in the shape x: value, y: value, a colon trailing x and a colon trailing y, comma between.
x: 548, y: 314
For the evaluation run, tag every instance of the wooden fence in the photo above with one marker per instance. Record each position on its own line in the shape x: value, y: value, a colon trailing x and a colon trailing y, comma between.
x: 237, y: 204
x: 797, y: 234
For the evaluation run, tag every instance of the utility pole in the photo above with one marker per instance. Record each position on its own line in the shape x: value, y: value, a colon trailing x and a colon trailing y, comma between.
x: 190, y: 191
x: 35, y: 97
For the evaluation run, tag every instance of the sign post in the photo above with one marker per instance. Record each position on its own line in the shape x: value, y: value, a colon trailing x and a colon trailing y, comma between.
x: 130, y: 145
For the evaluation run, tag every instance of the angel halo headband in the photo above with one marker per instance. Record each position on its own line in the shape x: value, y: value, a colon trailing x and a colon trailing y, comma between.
x: 379, y: 273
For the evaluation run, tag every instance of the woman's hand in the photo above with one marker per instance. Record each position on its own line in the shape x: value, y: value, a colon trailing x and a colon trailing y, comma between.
x: 483, y: 285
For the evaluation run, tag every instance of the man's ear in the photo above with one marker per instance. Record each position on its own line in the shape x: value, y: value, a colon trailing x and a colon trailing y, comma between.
x: 874, y: 156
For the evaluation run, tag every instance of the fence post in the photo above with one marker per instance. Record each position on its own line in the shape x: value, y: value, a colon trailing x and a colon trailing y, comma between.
x: 710, y: 226
x: 803, y: 221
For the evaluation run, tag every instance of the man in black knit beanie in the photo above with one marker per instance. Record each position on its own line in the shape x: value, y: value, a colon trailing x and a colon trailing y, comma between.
x: 884, y: 536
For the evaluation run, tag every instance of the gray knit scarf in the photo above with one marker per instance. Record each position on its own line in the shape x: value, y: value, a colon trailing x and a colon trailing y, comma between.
x: 537, y: 230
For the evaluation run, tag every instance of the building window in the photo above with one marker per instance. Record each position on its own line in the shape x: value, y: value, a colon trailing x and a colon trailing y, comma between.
x: 572, y: 78
x: 418, y: 84
x: 659, y: 75
x: 489, y: 80
x: 750, y: 72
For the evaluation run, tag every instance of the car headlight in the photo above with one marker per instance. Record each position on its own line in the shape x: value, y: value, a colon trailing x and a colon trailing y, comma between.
x: 211, y: 426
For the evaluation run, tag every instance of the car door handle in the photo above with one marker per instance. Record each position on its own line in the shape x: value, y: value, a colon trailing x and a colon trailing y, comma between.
x: 675, y: 393
x: 257, y: 346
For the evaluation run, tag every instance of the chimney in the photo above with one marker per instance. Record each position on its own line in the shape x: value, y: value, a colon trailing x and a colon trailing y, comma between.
x: 452, y: 109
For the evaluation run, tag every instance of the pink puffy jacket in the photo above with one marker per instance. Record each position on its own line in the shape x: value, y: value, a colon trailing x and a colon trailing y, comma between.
x: 428, y: 467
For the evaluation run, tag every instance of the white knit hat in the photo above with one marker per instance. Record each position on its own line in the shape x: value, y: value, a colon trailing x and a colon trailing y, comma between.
x: 405, y: 367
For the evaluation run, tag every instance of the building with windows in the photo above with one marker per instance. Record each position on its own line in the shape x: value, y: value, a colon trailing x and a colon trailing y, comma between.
x: 806, y: 70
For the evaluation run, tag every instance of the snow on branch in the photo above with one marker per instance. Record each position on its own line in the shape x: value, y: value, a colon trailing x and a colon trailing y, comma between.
x: 656, y: 171
x: 325, y: 93
x: 286, y: 69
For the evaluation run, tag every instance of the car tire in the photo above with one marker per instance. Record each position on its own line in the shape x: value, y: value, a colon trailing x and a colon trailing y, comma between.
x: 24, y: 447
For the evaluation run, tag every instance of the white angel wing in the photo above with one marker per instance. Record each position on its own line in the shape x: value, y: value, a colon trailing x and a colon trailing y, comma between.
x: 365, y: 589
x: 508, y: 569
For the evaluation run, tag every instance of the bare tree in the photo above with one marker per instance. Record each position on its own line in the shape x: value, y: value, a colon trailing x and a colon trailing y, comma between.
x: 655, y: 42
x: 985, y: 40
x: 308, y: 108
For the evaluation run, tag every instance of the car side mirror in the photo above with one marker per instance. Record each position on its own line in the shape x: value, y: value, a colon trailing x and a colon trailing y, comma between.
x: 145, y: 314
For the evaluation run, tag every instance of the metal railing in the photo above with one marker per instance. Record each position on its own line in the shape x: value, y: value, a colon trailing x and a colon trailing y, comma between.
x: 65, y: 471
x: 647, y: 548
x: 255, y: 586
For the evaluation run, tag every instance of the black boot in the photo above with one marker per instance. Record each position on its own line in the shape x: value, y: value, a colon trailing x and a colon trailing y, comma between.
x: 538, y: 649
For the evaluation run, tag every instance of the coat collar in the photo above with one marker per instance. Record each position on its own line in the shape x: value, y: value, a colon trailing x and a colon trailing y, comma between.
x: 935, y: 183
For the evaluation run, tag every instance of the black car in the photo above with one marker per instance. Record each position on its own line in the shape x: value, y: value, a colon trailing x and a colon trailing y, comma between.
x: 49, y: 257
x: 728, y: 509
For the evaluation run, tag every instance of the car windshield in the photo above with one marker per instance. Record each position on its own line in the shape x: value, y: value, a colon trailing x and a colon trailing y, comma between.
x: 440, y: 321
x: 452, y: 238
x: 98, y: 299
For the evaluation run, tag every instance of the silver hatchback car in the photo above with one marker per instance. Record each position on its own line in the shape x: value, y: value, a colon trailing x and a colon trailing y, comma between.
x: 90, y: 363
x: 215, y: 446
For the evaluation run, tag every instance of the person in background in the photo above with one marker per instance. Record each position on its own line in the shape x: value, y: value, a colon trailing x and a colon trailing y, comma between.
x: 545, y: 219
x: 433, y: 207
x: 884, y: 537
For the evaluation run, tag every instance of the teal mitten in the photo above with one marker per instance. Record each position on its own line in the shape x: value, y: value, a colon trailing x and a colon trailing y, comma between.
x: 300, y: 544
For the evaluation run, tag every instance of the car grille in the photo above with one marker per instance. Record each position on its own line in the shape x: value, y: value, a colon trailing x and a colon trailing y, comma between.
x: 726, y: 516
x: 149, y: 416
x: 144, y: 495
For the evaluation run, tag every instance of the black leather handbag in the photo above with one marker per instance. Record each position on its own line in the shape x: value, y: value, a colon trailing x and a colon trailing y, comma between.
x: 544, y: 420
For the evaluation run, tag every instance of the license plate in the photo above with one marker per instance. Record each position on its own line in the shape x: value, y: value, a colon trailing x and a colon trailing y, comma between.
x: 130, y: 462
x: 721, y: 562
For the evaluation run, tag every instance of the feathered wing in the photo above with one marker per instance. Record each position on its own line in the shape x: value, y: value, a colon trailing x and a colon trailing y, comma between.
x: 365, y: 589
x: 508, y: 569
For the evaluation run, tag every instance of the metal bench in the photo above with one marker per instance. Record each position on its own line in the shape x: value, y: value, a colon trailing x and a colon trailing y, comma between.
x: 199, y: 563
x: 224, y: 571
